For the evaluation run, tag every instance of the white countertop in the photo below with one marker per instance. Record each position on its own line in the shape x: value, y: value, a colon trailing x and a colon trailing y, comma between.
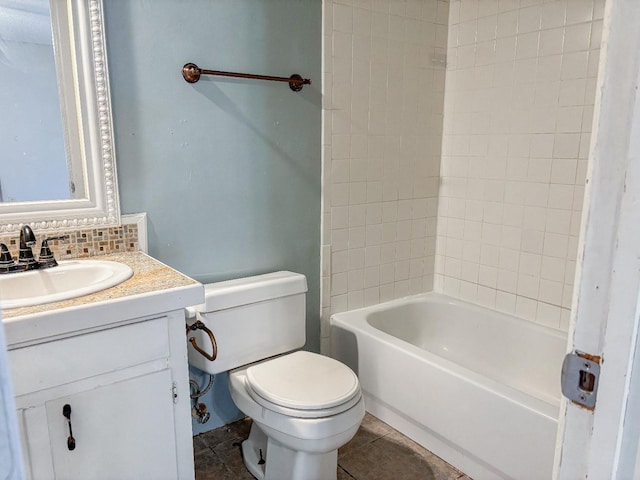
x: 153, y: 289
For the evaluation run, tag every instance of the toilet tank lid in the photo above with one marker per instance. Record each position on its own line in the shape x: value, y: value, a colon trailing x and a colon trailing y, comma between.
x: 244, y: 291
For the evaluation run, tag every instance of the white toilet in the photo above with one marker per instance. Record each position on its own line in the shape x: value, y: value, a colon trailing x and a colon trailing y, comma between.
x: 304, y: 406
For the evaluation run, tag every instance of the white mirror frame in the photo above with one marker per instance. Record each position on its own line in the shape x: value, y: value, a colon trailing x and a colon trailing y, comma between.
x: 79, y: 30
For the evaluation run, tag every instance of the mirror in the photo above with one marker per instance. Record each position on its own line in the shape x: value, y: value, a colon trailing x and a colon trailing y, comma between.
x: 57, y: 166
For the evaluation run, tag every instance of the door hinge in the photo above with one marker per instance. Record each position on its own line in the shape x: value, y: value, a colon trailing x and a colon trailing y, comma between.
x: 580, y: 375
x: 174, y: 392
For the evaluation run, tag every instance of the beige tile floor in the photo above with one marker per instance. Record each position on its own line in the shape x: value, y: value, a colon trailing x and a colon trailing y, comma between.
x: 377, y: 452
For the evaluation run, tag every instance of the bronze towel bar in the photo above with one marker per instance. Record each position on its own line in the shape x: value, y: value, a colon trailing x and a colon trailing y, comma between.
x: 191, y: 73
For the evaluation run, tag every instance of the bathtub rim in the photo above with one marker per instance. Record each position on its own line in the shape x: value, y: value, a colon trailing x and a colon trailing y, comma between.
x: 443, y: 298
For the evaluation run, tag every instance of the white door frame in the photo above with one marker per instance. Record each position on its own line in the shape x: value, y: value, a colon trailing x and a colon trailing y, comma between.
x: 604, y: 320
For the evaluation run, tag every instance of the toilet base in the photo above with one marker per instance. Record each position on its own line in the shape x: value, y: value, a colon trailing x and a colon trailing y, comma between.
x: 284, y: 463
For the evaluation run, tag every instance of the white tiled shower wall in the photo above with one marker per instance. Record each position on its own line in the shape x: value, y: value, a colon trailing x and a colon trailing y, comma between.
x: 383, y: 67
x: 510, y: 161
x: 520, y: 89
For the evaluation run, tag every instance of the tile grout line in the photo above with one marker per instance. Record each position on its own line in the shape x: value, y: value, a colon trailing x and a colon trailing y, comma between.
x: 346, y: 471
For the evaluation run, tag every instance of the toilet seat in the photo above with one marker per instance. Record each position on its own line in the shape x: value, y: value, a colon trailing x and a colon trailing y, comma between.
x: 303, y: 384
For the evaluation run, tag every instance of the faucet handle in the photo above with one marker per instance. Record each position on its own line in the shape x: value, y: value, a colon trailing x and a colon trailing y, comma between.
x: 6, y: 260
x: 5, y: 255
x: 46, y: 258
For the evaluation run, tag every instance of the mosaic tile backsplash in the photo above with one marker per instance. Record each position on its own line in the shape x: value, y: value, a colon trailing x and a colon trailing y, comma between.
x: 82, y: 243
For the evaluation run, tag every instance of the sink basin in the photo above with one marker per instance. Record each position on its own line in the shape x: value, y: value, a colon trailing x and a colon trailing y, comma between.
x: 70, y: 279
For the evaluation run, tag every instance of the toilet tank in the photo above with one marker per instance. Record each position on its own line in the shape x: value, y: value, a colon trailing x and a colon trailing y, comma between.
x: 251, y: 318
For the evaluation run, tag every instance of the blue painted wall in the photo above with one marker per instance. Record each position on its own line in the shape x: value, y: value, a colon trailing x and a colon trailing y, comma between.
x: 228, y: 170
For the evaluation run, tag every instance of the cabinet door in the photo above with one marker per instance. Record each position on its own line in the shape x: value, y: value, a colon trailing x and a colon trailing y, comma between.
x: 124, y: 430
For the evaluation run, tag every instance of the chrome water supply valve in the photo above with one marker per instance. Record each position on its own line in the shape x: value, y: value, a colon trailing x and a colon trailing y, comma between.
x: 199, y: 412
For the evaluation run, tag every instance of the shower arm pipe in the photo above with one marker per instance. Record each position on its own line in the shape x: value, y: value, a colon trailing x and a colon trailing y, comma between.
x: 191, y: 73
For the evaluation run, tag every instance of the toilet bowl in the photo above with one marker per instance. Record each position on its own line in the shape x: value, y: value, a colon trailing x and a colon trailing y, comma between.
x: 304, y: 406
x: 305, y: 426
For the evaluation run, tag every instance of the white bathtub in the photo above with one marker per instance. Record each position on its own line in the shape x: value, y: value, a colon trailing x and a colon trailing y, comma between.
x: 479, y: 388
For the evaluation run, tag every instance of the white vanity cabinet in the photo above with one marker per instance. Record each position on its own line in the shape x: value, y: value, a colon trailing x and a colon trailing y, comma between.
x: 127, y: 390
x: 119, y: 364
